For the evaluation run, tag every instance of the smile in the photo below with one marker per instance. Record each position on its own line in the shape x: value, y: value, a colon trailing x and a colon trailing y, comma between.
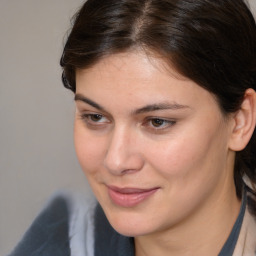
x: 129, y: 197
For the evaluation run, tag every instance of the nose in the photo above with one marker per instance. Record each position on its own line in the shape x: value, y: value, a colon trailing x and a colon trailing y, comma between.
x: 123, y: 154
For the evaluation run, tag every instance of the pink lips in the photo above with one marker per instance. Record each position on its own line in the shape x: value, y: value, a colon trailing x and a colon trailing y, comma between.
x: 129, y: 197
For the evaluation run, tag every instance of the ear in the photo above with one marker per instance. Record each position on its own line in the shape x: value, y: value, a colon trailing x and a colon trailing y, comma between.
x: 244, y: 122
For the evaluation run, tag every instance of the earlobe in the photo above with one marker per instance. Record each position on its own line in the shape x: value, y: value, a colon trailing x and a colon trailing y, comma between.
x: 244, y: 122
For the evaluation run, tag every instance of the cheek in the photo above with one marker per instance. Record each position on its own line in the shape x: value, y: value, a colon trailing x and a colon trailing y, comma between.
x: 188, y: 158
x: 89, y: 149
x: 187, y: 169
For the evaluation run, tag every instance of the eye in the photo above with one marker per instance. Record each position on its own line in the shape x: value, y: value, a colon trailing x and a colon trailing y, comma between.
x: 94, y: 119
x: 159, y: 123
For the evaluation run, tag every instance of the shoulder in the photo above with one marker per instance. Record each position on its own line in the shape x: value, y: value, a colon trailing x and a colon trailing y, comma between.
x: 61, y: 229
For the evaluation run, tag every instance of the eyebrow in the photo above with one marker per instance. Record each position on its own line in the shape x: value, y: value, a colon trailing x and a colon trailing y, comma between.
x: 145, y: 109
x: 79, y: 97
x: 160, y: 106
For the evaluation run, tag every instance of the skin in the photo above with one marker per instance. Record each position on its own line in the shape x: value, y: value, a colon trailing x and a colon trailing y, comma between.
x: 180, y: 145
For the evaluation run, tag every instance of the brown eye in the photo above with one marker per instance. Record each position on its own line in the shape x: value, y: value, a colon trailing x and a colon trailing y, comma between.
x: 95, y: 117
x: 158, y: 122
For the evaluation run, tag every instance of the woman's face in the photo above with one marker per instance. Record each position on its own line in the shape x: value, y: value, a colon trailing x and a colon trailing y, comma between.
x: 153, y: 144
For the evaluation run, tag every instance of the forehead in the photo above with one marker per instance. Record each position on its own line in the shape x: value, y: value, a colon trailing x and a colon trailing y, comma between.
x: 128, y: 68
x: 134, y: 59
x: 138, y: 77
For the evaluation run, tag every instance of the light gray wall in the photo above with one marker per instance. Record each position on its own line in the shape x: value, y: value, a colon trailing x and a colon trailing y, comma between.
x: 36, y: 112
x: 253, y: 6
x: 36, y: 143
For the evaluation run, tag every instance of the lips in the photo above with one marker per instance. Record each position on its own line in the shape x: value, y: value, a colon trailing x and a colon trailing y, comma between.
x: 129, y: 197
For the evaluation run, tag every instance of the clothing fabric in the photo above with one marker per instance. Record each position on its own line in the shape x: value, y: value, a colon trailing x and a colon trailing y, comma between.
x: 48, y: 235
x: 231, y: 242
x: 71, y: 225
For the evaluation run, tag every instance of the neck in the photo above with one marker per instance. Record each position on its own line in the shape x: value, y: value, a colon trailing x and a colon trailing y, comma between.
x: 203, y: 233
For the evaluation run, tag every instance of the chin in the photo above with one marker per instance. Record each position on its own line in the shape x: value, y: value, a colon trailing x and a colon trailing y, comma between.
x: 131, y: 224
x: 129, y: 231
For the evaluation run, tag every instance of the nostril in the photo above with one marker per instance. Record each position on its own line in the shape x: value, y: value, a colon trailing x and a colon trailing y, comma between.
x: 129, y: 171
x: 124, y: 164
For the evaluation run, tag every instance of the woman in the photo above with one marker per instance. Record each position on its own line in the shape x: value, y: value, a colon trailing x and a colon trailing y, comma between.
x: 164, y: 131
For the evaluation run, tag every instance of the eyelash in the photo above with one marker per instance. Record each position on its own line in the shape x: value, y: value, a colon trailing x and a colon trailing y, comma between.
x: 163, y: 123
x: 88, y: 119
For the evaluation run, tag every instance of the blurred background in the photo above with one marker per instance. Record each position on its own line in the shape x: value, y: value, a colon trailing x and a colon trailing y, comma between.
x: 36, y: 113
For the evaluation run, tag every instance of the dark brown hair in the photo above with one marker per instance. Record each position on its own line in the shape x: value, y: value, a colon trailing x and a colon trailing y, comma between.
x: 212, y: 42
